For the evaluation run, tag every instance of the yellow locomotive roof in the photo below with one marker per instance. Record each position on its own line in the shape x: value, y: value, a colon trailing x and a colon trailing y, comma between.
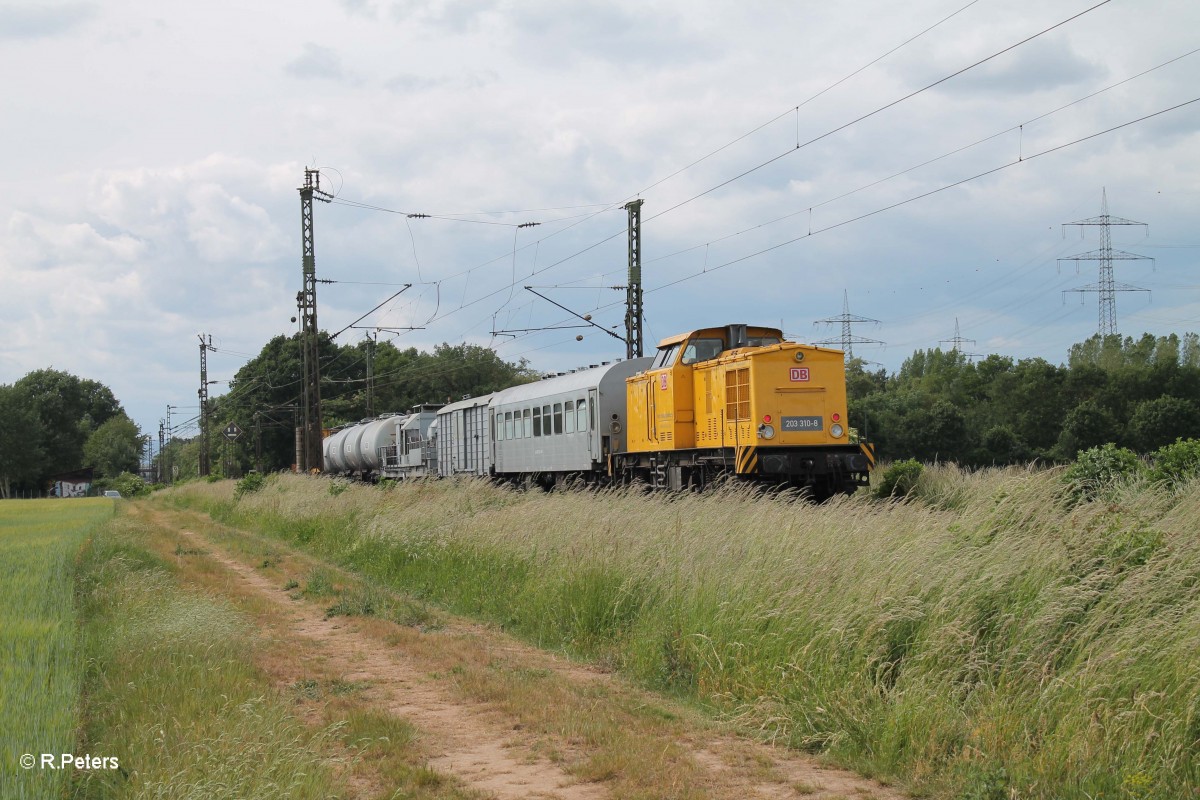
x: 718, y: 332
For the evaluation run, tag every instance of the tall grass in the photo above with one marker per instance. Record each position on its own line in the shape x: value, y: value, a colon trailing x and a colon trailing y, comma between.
x: 40, y: 665
x: 996, y: 639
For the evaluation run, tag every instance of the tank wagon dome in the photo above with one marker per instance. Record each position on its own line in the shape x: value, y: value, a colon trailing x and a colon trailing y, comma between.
x: 350, y: 445
x: 333, y: 452
x: 376, y: 434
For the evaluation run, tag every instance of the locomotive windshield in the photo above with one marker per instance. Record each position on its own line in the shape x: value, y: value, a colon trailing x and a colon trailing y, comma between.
x: 702, y: 350
x: 665, y: 357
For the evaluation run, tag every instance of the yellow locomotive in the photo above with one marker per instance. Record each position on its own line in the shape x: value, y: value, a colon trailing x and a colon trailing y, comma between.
x: 740, y: 401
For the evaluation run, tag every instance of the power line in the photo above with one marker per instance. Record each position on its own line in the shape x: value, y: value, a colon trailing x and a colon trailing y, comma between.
x: 929, y: 193
x: 800, y: 146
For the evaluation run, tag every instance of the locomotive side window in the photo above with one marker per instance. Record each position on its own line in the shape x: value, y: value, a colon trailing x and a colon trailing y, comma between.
x: 762, y: 341
x: 528, y: 425
x: 581, y: 413
x: 569, y: 416
x: 558, y: 418
x: 537, y: 421
x: 701, y: 350
x: 665, y: 357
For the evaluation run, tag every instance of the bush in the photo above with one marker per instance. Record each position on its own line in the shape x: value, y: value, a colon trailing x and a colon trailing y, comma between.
x: 128, y: 484
x: 1176, y: 463
x: 1099, y: 467
x: 899, y: 479
x: 249, y: 484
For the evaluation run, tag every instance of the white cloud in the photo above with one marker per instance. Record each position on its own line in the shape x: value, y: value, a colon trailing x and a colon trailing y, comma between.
x: 155, y: 194
x: 41, y: 20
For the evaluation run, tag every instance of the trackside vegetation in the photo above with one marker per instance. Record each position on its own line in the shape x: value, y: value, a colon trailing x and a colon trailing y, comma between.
x: 993, y: 635
x: 41, y: 663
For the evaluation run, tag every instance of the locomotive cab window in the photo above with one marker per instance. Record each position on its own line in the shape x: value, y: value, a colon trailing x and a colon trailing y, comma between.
x: 702, y: 350
x: 762, y: 341
x: 665, y: 357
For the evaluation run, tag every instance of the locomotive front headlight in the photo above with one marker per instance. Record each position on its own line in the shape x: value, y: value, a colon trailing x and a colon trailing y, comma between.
x: 836, y: 430
x: 766, y: 431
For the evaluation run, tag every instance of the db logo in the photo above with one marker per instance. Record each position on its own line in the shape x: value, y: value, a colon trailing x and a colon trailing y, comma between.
x: 662, y: 381
x: 798, y: 373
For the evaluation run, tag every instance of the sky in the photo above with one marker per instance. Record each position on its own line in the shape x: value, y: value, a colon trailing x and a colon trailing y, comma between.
x: 915, y: 161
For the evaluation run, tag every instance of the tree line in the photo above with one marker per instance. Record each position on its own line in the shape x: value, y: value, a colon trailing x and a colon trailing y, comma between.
x: 53, y: 422
x: 940, y: 406
x: 264, y: 396
x: 1137, y: 393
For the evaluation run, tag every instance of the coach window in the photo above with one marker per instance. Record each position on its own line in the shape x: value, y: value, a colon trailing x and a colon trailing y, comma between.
x: 581, y: 413
x: 537, y: 421
x: 558, y: 418
x: 528, y: 424
x: 508, y: 425
x: 569, y: 416
x: 547, y: 429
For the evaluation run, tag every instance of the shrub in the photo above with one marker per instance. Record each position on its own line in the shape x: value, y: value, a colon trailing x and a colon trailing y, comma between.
x: 129, y: 485
x: 1098, y: 467
x: 249, y: 484
x: 899, y: 479
x: 1176, y: 463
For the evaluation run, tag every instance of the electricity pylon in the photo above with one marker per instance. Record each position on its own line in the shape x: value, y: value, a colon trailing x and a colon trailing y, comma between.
x: 1106, y: 286
x: 847, y: 340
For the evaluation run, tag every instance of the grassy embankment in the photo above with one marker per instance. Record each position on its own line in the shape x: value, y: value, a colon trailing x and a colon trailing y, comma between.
x: 40, y: 660
x: 991, y: 641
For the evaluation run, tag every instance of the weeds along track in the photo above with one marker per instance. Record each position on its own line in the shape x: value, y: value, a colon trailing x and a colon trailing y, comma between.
x: 996, y: 636
x: 488, y: 713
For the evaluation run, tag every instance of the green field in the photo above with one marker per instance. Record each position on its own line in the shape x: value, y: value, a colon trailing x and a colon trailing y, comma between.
x: 40, y: 659
x: 997, y: 638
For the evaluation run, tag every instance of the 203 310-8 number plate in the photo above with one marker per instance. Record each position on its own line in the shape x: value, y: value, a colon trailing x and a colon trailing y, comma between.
x: 800, y: 424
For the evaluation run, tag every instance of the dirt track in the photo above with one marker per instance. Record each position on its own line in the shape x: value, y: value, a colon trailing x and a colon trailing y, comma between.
x: 492, y: 734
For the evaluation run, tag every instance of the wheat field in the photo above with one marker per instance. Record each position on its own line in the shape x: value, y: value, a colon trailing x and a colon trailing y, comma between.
x: 40, y: 662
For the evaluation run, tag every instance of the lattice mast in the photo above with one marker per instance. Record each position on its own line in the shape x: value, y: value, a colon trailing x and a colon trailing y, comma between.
x: 957, y: 341
x: 306, y: 300
x: 204, y: 466
x: 634, y: 346
x: 1106, y: 287
x: 848, y: 339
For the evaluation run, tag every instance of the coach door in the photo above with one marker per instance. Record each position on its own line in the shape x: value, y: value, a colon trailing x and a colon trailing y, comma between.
x: 593, y: 411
